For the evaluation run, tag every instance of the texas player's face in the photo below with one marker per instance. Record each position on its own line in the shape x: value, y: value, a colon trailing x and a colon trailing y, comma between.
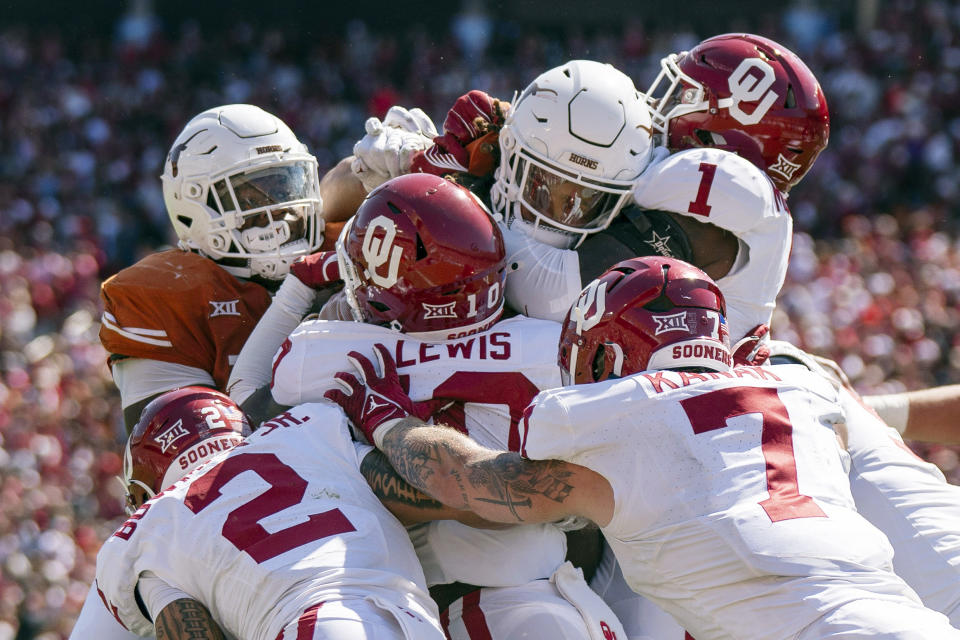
x: 559, y: 199
x: 263, y: 188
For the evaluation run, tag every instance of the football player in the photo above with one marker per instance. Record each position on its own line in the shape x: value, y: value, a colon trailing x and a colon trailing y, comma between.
x: 423, y: 266
x: 276, y: 535
x: 243, y: 196
x: 750, y: 95
x: 744, y: 119
x: 723, y: 491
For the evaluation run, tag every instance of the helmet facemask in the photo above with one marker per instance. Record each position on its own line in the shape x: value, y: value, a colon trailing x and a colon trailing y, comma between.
x: 551, y: 199
x: 267, y: 216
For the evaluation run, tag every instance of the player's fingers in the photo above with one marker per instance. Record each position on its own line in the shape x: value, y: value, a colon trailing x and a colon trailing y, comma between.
x: 388, y: 367
x: 363, y: 365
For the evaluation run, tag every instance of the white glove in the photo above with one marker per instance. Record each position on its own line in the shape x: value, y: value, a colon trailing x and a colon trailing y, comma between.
x: 388, y: 147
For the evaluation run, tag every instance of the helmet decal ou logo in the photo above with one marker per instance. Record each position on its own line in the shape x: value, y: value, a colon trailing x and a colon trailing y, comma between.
x: 748, y: 87
x: 377, y: 252
x: 595, y: 297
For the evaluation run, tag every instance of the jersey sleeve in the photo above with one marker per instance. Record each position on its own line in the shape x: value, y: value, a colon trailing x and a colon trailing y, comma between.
x: 179, y: 307
x: 117, y: 576
x: 546, y: 432
x: 544, y: 281
x: 712, y: 185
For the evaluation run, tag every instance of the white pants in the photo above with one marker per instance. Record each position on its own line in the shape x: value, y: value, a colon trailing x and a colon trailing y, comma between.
x: 881, y: 620
x: 358, y: 619
x: 534, y: 611
x: 641, y: 618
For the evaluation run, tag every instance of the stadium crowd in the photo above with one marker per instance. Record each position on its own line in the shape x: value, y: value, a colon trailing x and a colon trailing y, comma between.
x: 874, y: 281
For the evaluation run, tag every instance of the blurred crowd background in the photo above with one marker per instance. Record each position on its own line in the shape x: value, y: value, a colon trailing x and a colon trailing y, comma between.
x: 89, y: 106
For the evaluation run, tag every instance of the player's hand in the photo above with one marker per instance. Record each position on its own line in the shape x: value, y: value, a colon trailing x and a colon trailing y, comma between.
x: 445, y: 156
x: 388, y: 147
x: 473, y: 115
x: 751, y: 350
x: 318, y: 270
x: 372, y: 399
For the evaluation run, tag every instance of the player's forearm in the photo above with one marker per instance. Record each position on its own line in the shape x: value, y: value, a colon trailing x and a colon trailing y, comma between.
x: 932, y: 415
x: 186, y: 619
x: 407, y: 503
x: 499, y: 486
x: 341, y: 191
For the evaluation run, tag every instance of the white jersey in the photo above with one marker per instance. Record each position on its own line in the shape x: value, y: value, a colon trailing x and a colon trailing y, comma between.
x: 731, y: 495
x: 280, y: 523
x: 480, y: 384
x: 911, y: 502
x: 723, y: 189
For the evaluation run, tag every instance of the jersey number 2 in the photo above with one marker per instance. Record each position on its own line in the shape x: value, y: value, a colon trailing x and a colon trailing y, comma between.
x: 711, y: 411
x: 242, y: 527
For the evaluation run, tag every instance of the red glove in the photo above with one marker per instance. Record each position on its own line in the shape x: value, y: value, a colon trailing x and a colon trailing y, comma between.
x: 318, y: 270
x: 472, y: 116
x: 750, y: 350
x: 373, y: 400
x: 446, y: 155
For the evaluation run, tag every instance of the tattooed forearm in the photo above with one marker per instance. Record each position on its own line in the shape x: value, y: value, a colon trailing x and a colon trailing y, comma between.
x: 186, y: 619
x: 499, y: 486
x: 390, y: 487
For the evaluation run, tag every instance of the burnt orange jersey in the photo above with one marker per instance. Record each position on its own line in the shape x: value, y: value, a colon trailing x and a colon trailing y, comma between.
x: 180, y: 307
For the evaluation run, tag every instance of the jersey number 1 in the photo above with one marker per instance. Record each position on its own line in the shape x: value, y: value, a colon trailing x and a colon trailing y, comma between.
x: 242, y: 527
x: 711, y: 411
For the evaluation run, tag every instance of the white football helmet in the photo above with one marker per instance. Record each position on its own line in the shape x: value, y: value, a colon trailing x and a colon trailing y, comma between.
x: 242, y: 190
x: 570, y: 149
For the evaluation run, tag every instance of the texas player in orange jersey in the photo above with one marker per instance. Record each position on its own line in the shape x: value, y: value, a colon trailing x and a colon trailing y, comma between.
x: 244, y: 198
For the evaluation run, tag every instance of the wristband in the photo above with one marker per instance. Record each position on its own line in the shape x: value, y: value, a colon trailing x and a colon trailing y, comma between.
x: 381, y: 432
x: 893, y: 408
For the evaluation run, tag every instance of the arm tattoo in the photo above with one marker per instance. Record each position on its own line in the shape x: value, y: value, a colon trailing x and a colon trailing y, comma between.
x: 434, y: 463
x: 390, y: 487
x: 186, y: 619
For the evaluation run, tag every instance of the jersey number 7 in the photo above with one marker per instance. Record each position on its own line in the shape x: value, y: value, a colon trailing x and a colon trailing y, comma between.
x: 711, y: 410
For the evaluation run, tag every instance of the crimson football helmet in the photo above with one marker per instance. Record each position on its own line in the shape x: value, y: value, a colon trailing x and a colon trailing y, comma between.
x: 746, y: 94
x: 644, y: 313
x: 177, y: 432
x: 422, y: 255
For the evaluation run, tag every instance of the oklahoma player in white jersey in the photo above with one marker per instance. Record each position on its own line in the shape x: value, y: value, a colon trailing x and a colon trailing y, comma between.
x: 278, y: 536
x: 423, y: 256
x: 723, y: 491
x: 780, y: 124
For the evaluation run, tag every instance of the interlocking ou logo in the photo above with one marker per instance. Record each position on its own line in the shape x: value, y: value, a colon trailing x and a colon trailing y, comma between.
x: 168, y: 437
x: 748, y: 87
x: 594, y: 298
x: 608, y: 633
x: 380, y: 251
x: 225, y: 308
x: 673, y: 322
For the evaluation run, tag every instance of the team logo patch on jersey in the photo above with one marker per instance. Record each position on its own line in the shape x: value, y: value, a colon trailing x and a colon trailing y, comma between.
x: 171, y: 435
x: 659, y: 244
x: 672, y: 322
x: 784, y: 167
x: 225, y: 308
x: 434, y: 311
